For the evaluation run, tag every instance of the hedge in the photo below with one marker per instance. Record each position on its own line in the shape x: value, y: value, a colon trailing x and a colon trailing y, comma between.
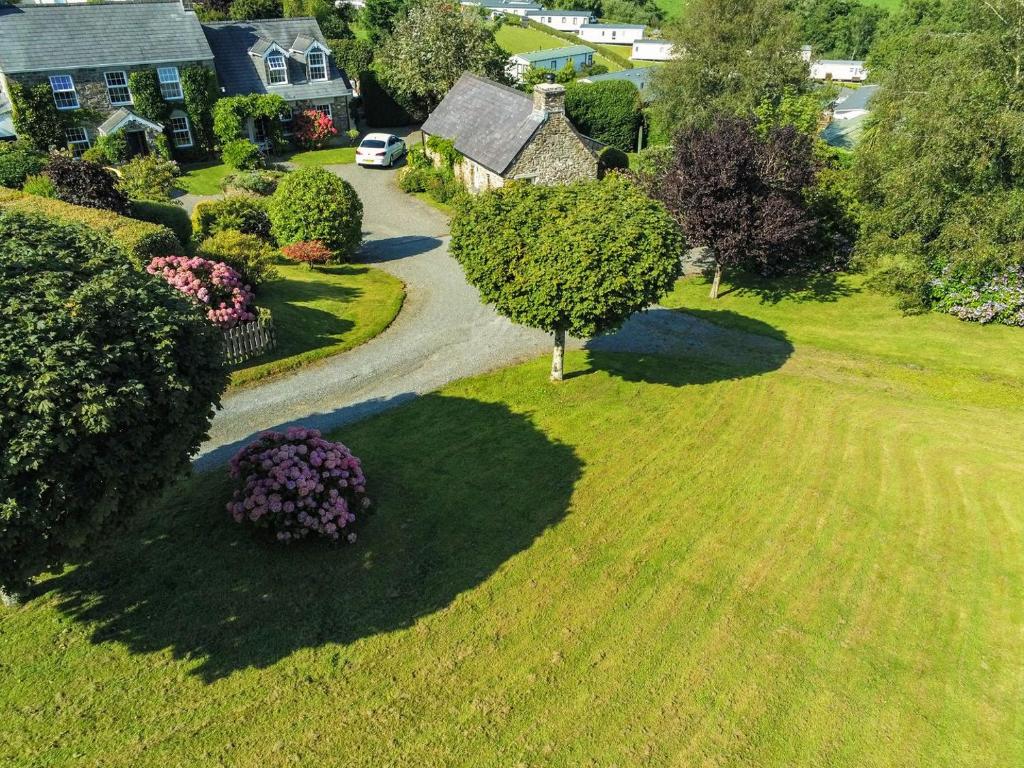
x: 172, y: 216
x: 139, y: 240
x: 608, y: 111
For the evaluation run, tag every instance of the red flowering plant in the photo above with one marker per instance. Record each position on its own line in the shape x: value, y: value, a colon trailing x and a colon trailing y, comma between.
x: 212, y: 284
x: 312, y: 129
x: 308, y: 252
x: 297, y: 483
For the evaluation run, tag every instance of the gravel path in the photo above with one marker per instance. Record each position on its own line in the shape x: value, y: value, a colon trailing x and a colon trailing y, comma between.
x: 443, y: 333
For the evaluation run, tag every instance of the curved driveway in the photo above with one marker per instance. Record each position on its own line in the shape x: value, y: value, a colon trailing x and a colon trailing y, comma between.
x: 443, y: 333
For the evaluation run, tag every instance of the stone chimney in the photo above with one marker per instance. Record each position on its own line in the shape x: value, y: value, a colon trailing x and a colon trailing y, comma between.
x: 549, y: 98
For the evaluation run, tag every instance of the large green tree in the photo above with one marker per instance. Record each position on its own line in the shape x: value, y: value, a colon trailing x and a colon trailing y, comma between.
x: 576, y: 259
x: 840, y: 29
x: 433, y: 46
x: 732, y: 55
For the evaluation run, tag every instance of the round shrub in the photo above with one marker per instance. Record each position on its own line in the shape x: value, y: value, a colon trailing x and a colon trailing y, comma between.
x: 244, y: 213
x: 216, y: 287
x: 251, y: 257
x: 171, y: 215
x: 39, y: 185
x: 314, y: 204
x: 242, y: 155
x: 148, y: 178
x: 313, y: 252
x: 81, y: 182
x: 261, y: 183
x: 297, y: 483
x: 108, y: 380
x: 612, y: 158
x: 18, y: 164
x: 413, y: 179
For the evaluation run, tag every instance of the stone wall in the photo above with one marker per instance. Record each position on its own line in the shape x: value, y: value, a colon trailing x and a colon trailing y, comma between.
x: 556, y: 154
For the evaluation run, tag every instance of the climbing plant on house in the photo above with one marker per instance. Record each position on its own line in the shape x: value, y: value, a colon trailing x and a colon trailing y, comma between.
x: 199, y: 86
x: 146, y: 96
x: 36, y: 117
x: 230, y: 115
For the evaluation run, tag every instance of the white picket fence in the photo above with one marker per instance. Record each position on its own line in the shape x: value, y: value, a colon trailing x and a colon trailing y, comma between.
x: 248, y: 340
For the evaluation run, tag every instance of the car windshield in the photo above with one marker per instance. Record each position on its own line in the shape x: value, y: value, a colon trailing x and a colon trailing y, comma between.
x: 372, y: 144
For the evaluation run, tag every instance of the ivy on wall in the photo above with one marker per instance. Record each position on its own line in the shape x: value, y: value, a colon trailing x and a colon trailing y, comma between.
x: 36, y: 117
x: 230, y: 115
x: 145, y: 90
x: 199, y: 86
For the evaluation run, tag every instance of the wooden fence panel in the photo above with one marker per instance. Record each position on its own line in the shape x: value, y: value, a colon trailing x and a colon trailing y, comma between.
x: 248, y: 340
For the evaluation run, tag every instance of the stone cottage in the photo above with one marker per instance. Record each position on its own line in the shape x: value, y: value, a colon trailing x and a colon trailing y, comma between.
x: 85, y: 53
x: 506, y: 134
x: 288, y: 57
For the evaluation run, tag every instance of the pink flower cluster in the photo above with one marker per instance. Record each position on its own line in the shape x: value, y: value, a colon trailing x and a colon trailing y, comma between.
x: 312, y: 128
x: 296, y: 483
x: 211, y: 283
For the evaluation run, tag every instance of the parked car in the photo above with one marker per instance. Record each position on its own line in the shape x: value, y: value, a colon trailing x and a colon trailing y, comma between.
x: 380, y: 149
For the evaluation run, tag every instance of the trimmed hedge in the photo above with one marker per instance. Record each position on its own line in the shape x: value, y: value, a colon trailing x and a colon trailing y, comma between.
x: 244, y: 213
x: 139, y: 240
x: 608, y: 111
x: 172, y: 216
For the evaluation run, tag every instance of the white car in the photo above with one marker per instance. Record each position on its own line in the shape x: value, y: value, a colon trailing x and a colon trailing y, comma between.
x: 381, y: 149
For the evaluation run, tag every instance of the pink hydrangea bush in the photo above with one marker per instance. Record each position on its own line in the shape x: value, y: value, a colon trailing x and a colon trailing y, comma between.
x: 212, y: 284
x: 297, y: 483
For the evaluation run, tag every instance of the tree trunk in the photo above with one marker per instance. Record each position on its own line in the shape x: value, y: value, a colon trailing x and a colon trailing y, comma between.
x: 716, y: 281
x: 558, y: 355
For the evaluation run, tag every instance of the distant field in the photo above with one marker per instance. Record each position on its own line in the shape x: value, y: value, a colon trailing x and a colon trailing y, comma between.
x: 515, y: 39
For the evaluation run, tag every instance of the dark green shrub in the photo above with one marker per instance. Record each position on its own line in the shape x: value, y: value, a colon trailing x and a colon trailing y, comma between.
x: 40, y: 186
x: 612, y: 158
x: 170, y: 215
x: 81, y: 182
x: 242, y: 155
x: 413, y: 179
x: 148, y: 178
x: 314, y: 204
x: 250, y: 256
x: 261, y: 182
x: 18, y: 164
x: 240, y: 10
x: 608, y: 111
x: 379, y: 106
x: 129, y: 374
x: 140, y: 241
x: 244, y: 213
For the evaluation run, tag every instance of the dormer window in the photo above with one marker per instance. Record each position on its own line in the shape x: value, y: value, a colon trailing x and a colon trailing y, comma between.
x: 277, y: 69
x: 316, y: 63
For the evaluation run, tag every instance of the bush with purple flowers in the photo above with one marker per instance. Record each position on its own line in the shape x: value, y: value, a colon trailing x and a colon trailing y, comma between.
x: 296, y: 483
x: 1000, y: 299
x: 212, y: 284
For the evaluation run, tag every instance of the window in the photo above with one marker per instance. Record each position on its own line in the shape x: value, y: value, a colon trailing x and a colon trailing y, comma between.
x: 64, y: 95
x: 170, y: 83
x: 324, y: 109
x: 317, y: 62
x: 78, y: 140
x: 286, y: 117
x: 117, y: 88
x: 277, y: 69
x: 181, y: 133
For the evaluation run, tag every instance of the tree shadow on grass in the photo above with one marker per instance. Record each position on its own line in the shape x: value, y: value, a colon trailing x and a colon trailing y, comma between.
x: 459, y: 487
x: 826, y: 287
x: 677, y: 348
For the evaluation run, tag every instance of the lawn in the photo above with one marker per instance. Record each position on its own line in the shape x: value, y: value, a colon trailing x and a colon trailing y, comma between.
x: 515, y: 39
x: 322, y: 312
x: 801, y: 547
x: 205, y: 178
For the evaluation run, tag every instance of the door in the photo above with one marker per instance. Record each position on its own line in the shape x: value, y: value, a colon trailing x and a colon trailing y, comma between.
x: 137, y: 144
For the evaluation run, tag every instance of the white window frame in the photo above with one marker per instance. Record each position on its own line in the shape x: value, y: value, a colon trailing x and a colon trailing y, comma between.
x: 323, y: 109
x: 71, y: 90
x: 272, y: 69
x: 285, y: 117
x: 175, y: 131
x: 170, y: 83
x: 77, y: 145
x: 112, y: 87
x: 309, y: 64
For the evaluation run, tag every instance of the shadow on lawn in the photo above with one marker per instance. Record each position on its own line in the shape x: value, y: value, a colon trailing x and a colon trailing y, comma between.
x: 826, y: 287
x: 459, y: 487
x: 680, y: 348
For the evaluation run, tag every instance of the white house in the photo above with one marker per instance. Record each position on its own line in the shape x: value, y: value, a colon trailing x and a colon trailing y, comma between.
x: 646, y: 49
x: 612, y: 33
x: 564, y: 21
x: 552, y: 58
x: 845, y: 70
x: 510, y: 7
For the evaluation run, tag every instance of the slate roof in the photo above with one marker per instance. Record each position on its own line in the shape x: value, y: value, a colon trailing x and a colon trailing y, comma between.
x: 122, y: 115
x: 850, y: 99
x: 638, y: 76
x: 489, y: 123
x: 51, y: 38
x: 241, y: 73
x: 554, y: 53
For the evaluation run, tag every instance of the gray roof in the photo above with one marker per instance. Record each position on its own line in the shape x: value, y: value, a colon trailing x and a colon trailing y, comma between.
x: 613, y: 25
x: 638, y: 76
x: 506, y: 4
x: 559, y: 12
x: 126, y: 116
x: 489, y: 123
x: 52, y: 38
x: 850, y: 99
x: 840, y: 62
x: 240, y: 72
x: 554, y: 53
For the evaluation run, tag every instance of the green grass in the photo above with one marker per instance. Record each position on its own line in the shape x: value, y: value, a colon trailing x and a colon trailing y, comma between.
x: 205, y: 178
x: 516, y: 39
x: 321, y: 312
x: 802, y: 547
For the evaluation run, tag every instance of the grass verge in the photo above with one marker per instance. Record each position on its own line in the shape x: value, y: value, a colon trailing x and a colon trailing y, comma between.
x: 205, y: 178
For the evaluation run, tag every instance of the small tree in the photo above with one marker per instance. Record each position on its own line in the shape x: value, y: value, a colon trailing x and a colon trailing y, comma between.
x: 314, y: 204
x: 108, y: 379
x: 310, y: 254
x: 81, y: 182
x: 741, y: 196
x: 313, y: 129
x: 578, y: 259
